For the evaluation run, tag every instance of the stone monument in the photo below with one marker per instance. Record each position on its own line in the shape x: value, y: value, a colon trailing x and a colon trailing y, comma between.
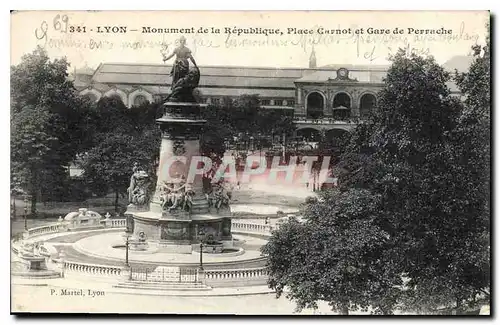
x: 179, y: 214
x: 83, y: 219
x: 31, y: 262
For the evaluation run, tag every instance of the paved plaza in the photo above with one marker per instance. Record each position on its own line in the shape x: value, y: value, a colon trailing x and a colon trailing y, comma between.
x: 99, y: 294
x: 101, y: 246
x: 244, y: 300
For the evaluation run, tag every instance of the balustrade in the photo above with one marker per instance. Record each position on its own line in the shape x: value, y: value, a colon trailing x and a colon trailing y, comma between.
x: 350, y: 120
x: 92, y: 269
x: 47, y: 229
x: 118, y: 223
x: 252, y: 227
x: 116, y: 271
x: 57, y: 227
x: 238, y: 274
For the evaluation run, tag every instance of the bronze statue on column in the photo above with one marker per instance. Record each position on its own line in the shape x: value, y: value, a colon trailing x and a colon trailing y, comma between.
x: 184, y: 79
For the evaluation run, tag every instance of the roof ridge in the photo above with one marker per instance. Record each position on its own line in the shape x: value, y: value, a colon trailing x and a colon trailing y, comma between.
x: 332, y: 67
x: 207, y: 66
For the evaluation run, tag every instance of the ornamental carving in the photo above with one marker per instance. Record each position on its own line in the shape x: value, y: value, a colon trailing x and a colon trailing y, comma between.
x: 174, y: 230
x: 175, y: 197
x: 178, y: 147
x: 219, y: 198
x: 343, y: 75
x: 138, y: 190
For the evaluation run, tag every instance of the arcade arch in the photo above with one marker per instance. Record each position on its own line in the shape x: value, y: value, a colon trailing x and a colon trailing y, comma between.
x: 309, y: 134
x: 315, y: 105
x: 341, y: 108
x: 366, y: 103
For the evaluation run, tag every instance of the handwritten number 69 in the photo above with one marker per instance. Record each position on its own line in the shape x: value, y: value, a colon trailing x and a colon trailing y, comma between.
x: 63, y: 27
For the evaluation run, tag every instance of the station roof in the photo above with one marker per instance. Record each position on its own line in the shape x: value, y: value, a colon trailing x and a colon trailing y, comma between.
x: 233, y: 80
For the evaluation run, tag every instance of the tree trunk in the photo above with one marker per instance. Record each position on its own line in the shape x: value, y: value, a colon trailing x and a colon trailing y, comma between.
x: 458, y: 310
x: 345, y: 310
x: 33, y: 191
x: 34, y: 198
x: 117, y: 197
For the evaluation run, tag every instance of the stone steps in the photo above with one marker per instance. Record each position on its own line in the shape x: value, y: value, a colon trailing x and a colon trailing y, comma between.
x: 157, y: 285
x: 48, y: 274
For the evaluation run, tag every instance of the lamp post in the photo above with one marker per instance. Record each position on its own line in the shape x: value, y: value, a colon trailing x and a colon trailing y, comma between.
x: 126, y: 250
x: 25, y: 212
x: 201, y: 255
x: 201, y: 249
x: 251, y: 143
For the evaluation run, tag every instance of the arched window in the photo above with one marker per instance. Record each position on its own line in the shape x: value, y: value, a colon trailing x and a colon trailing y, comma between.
x: 342, y: 99
x: 116, y: 97
x: 139, y: 100
x: 341, y: 106
x: 366, y: 104
x: 315, y: 105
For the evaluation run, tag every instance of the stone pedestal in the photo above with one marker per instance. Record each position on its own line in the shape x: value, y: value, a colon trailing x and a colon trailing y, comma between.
x: 83, y: 219
x: 135, y: 245
x: 175, y: 227
x: 34, y: 263
x: 125, y: 273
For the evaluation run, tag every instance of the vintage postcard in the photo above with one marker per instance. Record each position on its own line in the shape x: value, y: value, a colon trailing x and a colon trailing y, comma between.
x: 250, y: 162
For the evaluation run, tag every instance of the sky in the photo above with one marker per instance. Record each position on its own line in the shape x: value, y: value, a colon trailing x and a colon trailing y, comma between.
x: 367, y: 37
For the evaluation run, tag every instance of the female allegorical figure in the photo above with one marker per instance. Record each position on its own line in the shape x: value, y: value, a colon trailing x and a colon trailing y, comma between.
x: 181, y: 63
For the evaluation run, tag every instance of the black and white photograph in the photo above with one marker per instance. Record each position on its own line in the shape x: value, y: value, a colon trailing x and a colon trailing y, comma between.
x: 322, y: 163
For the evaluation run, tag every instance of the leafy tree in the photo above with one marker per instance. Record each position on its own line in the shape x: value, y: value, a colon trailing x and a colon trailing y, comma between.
x: 46, y: 118
x: 145, y: 115
x: 109, y: 164
x: 470, y: 154
x: 121, y: 137
x: 413, y: 162
x: 33, y: 149
x: 337, y: 255
x: 39, y: 83
x: 412, y: 149
x: 217, y: 131
x: 111, y: 115
x: 241, y: 118
x: 244, y: 113
x: 275, y: 122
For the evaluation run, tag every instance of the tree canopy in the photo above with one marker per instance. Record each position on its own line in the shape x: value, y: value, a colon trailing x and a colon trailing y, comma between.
x: 46, y: 128
x: 52, y: 127
x: 412, y: 203
x: 122, y: 137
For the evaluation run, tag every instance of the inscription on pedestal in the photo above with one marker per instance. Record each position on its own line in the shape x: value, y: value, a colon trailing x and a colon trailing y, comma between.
x: 174, y: 231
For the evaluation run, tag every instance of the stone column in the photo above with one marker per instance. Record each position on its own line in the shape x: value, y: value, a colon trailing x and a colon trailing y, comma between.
x: 181, y: 129
x: 355, y: 104
x: 126, y: 273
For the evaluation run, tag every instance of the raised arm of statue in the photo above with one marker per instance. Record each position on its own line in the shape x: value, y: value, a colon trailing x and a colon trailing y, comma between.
x: 166, y: 58
x: 192, y: 60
